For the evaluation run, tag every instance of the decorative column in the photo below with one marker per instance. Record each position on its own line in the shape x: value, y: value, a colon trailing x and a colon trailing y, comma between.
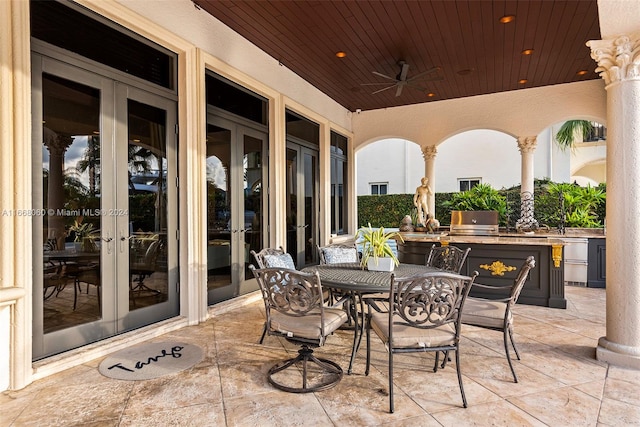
x: 429, y: 153
x: 526, y: 145
x: 57, y: 145
x: 619, y: 65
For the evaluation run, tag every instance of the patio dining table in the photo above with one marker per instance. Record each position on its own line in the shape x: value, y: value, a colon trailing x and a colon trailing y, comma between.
x: 351, y: 279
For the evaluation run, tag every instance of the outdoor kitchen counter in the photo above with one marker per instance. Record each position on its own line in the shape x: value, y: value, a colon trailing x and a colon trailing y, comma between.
x: 500, y: 239
x: 498, y: 259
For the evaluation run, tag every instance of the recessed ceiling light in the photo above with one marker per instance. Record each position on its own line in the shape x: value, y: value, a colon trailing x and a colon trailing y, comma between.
x: 341, y: 54
x: 507, y: 18
x: 431, y: 94
x: 582, y: 72
x: 522, y: 81
x: 527, y: 51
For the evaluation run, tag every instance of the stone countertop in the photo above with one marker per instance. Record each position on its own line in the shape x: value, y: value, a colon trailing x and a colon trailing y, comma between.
x: 501, y: 239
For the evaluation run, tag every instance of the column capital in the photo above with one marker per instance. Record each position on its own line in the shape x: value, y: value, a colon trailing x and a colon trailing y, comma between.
x: 429, y: 152
x: 527, y: 144
x: 57, y: 143
x: 618, y: 59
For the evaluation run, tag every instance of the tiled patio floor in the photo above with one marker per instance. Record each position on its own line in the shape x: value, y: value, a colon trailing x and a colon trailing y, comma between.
x: 561, y: 383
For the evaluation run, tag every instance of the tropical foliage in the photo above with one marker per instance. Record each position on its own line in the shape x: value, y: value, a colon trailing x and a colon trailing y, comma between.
x: 572, y: 130
x: 482, y: 197
x: 579, y: 205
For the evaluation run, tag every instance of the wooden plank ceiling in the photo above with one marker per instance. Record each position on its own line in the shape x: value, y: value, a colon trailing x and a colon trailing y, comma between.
x: 455, y: 48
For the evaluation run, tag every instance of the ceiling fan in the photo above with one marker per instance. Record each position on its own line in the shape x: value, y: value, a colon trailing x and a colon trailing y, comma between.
x: 401, y: 80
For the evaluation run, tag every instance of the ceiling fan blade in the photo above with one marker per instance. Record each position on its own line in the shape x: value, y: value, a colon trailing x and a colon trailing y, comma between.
x: 383, y: 76
x: 403, y: 71
x: 434, y: 70
x: 399, y: 90
x: 383, y: 89
x: 374, y: 84
x: 415, y: 86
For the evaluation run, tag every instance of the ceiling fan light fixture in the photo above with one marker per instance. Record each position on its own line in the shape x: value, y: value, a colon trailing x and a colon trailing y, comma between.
x: 341, y: 54
x: 507, y: 18
x: 527, y: 51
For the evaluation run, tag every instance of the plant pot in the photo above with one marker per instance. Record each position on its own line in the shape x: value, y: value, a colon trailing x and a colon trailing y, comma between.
x: 88, y: 245
x: 380, y: 264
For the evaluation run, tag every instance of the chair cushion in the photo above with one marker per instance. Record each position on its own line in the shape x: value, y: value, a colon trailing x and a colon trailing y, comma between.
x: 308, y: 326
x: 409, y: 337
x: 279, y: 261
x: 484, y: 313
x: 340, y: 255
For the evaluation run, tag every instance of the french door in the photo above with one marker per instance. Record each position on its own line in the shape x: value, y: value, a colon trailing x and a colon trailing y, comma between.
x: 104, y: 189
x: 236, y: 172
x: 302, y: 203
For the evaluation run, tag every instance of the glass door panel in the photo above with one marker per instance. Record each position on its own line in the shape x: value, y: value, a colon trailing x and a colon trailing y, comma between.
x: 310, y: 225
x: 235, y: 203
x: 302, y: 204
x: 147, y: 175
x: 219, y: 283
x: 147, y: 274
x: 71, y: 222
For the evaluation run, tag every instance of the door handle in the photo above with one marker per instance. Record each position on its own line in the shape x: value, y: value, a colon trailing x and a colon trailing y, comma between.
x: 108, y: 241
x: 124, y: 239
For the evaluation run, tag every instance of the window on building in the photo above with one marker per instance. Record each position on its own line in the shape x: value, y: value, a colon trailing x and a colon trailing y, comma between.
x: 598, y: 132
x: 379, y: 187
x: 338, y: 183
x: 466, y: 184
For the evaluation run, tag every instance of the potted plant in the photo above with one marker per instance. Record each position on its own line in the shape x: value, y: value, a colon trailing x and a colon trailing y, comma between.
x: 84, y: 234
x: 377, y: 254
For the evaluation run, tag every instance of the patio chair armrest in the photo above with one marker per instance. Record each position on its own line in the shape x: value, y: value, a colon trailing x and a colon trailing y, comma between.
x: 344, y: 298
x: 373, y: 300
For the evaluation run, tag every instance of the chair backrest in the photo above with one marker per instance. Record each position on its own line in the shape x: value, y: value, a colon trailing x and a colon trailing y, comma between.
x: 273, y: 257
x: 520, y: 279
x: 338, y: 253
x: 448, y: 258
x: 428, y: 300
x: 291, y: 293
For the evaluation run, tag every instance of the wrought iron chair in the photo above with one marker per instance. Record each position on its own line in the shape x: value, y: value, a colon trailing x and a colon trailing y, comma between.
x: 295, y: 310
x: 424, y: 315
x: 144, y: 265
x: 496, y: 314
x: 338, y: 253
x: 89, y: 274
x: 448, y: 258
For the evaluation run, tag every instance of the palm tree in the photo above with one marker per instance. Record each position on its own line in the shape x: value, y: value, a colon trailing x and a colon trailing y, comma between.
x: 571, y: 130
x: 91, y: 161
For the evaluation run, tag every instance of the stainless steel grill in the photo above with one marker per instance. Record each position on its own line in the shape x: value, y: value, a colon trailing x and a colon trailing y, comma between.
x: 474, y: 223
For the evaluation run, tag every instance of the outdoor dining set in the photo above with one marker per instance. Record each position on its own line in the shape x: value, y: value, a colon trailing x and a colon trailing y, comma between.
x: 415, y: 308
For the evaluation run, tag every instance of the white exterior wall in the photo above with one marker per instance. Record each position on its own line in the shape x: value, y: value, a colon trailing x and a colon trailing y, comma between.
x: 395, y: 161
x: 486, y: 154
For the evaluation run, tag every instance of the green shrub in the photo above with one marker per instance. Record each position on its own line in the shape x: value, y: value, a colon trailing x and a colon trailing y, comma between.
x: 584, y: 206
x: 482, y: 197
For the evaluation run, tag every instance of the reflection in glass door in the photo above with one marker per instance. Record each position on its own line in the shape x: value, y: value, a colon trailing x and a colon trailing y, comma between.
x: 105, y: 258
x: 148, y: 220
x: 302, y: 204
x: 235, y: 202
